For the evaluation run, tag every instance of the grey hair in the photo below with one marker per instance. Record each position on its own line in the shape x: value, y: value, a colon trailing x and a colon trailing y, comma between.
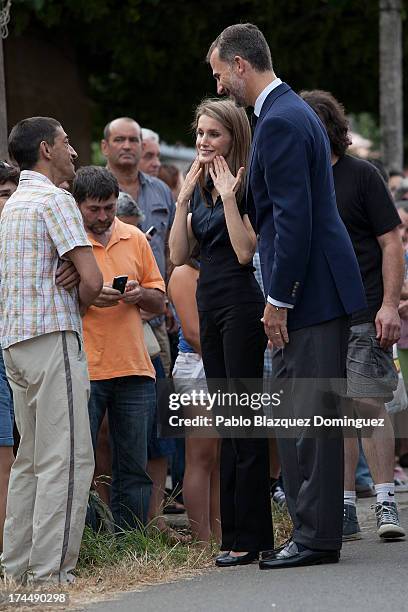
x: 128, y: 207
x: 245, y: 40
x: 150, y: 135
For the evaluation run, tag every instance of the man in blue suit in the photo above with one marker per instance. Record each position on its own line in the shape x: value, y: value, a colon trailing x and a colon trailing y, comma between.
x: 311, y: 278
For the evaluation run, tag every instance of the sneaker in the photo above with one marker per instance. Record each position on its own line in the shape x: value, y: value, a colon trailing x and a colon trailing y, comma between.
x: 388, y: 525
x: 351, y: 528
x: 279, y: 497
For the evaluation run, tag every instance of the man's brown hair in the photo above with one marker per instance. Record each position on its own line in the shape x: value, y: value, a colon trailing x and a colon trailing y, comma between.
x: 331, y: 113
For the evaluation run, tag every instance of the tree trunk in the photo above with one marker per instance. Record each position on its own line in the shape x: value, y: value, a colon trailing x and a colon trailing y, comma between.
x: 3, y: 107
x: 391, y: 116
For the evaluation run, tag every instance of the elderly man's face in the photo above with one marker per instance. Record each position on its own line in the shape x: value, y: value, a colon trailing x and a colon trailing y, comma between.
x: 150, y: 162
x: 123, y: 148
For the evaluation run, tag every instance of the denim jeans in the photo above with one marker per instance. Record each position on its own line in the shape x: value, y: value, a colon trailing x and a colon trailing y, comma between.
x: 6, y: 407
x: 363, y: 474
x: 130, y: 402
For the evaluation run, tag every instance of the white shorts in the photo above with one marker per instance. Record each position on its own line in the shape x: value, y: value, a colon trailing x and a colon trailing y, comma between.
x: 188, y: 373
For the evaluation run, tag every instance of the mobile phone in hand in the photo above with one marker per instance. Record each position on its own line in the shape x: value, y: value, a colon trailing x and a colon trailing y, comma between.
x: 119, y: 283
x: 151, y: 231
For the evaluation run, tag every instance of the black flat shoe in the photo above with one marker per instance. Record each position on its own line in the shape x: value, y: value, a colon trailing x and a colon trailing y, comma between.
x: 222, y: 555
x: 229, y: 561
x: 290, y: 556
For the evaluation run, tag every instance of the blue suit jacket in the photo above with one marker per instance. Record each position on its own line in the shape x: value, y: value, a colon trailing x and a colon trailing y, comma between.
x: 307, y: 258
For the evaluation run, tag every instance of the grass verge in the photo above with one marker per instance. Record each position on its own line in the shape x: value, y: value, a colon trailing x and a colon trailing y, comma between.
x: 109, y: 566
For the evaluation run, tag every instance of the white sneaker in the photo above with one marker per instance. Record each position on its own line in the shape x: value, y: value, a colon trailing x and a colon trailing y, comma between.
x: 388, y: 525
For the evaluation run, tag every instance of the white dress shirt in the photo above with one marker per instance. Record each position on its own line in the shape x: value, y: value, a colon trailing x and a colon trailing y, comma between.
x: 264, y: 94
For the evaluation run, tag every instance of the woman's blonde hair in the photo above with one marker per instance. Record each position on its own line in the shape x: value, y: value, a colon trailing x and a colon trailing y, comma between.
x: 235, y: 120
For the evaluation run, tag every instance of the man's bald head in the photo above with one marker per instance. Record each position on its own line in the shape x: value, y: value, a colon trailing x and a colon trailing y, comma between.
x: 122, y: 143
x: 107, y: 128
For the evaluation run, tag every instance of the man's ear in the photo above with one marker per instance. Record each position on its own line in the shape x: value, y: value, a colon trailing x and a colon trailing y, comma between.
x: 44, y: 151
x: 240, y: 64
x: 104, y: 147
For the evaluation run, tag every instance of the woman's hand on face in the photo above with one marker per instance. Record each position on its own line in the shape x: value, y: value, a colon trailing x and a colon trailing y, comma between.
x: 224, y: 181
x: 190, y: 181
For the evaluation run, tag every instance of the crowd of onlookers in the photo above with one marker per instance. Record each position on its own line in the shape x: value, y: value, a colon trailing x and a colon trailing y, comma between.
x: 93, y: 244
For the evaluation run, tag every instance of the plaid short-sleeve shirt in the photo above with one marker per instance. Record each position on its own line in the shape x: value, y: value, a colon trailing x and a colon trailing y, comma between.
x: 40, y: 223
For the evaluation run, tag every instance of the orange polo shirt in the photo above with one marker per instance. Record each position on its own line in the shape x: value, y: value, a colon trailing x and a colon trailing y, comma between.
x: 114, y: 341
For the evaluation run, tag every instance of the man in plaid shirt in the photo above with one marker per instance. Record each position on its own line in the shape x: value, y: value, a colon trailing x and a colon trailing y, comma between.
x: 41, y: 337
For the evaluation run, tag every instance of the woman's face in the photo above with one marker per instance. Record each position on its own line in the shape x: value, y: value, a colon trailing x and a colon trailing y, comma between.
x: 212, y: 139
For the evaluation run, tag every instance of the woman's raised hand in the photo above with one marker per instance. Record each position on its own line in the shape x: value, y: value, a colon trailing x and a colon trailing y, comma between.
x: 190, y: 181
x: 224, y: 181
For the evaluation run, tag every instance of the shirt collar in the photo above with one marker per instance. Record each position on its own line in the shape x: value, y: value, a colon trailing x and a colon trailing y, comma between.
x: 31, y: 175
x: 264, y: 94
x: 122, y: 230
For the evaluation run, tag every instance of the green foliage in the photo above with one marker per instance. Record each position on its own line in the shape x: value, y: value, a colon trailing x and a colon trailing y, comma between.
x: 365, y: 124
x: 145, y: 58
x: 97, y: 159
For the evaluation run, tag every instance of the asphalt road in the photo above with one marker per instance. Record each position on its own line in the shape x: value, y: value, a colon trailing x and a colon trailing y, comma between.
x: 372, y: 575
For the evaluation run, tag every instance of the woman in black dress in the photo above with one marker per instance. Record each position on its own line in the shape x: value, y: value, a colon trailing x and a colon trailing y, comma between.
x: 211, y: 211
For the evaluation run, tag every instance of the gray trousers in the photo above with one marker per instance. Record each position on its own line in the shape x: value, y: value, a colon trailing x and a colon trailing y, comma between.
x: 52, y: 473
x: 312, y: 460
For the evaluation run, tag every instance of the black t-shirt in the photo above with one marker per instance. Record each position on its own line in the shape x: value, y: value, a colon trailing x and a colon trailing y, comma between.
x: 367, y: 210
x: 223, y: 280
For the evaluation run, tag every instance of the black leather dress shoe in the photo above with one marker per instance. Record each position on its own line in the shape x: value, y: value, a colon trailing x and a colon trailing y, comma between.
x: 268, y: 554
x: 271, y: 554
x: 291, y: 556
x: 230, y: 561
